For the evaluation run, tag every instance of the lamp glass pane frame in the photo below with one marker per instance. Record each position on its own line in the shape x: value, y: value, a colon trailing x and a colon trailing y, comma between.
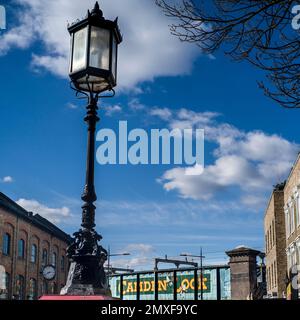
x: 83, y: 65
x: 100, y: 78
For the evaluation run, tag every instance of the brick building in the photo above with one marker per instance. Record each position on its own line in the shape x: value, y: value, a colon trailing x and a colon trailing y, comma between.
x: 27, y: 243
x: 275, y: 243
x: 292, y: 216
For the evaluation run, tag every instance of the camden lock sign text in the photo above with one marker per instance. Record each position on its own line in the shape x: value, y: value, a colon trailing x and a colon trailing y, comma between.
x: 185, y: 284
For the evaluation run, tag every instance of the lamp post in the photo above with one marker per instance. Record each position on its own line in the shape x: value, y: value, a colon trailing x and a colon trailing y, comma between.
x: 93, y: 70
x: 201, y: 268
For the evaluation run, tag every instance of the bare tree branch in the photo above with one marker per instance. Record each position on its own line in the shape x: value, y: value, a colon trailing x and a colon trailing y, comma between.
x: 258, y: 31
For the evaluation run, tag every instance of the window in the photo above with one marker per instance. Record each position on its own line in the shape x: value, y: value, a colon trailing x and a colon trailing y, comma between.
x: 45, y: 257
x: 45, y: 287
x: 53, y: 288
x: 33, y: 253
x: 294, y: 257
x: 273, y: 235
x: 62, y: 263
x: 269, y: 280
x: 6, y: 244
x: 287, y: 223
x: 289, y: 262
x: 32, y: 289
x: 7, y: 284
x: 275, y: 274
x: 54, y: 259
x: 292, y: 218
x: 271, y: 276
x: 20, y: 288
x: 21, y: 249
x: 298, y: 210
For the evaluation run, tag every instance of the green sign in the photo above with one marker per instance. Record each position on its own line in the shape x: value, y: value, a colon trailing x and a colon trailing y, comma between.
x: 185, y: 284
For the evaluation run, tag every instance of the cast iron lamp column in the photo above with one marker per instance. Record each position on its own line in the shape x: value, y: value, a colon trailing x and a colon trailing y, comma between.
x: 93, y: 66
x: 86, y: 274
x: 89, y: 195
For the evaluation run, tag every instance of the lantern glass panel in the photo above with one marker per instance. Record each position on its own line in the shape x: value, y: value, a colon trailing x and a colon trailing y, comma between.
x: 99, y: 48
x: 114, y: 57
x: 79, y: 50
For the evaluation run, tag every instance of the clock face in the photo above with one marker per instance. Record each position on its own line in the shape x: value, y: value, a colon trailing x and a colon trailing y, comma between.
x: 49, y: 272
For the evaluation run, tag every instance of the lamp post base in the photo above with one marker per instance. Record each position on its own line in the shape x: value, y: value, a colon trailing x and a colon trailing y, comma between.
x: 86, y: 278
x: 83, y: 290
x: 86, y: 274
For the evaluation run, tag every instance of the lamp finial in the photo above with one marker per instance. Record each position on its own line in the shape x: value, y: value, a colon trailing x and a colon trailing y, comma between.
x: 97, y: 11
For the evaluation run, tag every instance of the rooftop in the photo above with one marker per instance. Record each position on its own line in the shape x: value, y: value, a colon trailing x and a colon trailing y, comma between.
x: 35, y: 219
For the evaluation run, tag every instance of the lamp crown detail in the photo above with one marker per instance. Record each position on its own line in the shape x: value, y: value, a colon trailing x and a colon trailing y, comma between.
x: 97, y: 11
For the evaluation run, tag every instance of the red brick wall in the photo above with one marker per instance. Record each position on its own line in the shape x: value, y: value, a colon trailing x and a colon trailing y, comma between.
x: 15, y: 266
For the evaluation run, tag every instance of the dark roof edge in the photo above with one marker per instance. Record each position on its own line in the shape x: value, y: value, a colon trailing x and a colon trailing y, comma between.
x: 35, y: 220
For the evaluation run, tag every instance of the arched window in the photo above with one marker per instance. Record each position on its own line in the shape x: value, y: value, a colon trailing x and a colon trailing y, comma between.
x: 45, y: 257
x: 53, y: 288
x: 20, y: 288
x: 62, y: 263
x: 21, y: 249
x: 6, y: 244
x: 33, y: 256
x: 54, y: 259
x: 33, y: 289
x: 7, y: 284
x: 45, y: 287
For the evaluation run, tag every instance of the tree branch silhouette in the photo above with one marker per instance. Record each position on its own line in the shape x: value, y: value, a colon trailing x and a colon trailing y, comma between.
x: 258, y: 31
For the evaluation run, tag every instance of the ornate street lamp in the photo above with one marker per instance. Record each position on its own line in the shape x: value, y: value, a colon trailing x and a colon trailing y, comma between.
x: 93, y: 70
x: 94, y: 50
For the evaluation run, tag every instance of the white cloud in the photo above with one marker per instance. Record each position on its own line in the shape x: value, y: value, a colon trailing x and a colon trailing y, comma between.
x: 140, y: 254
x: 7, y: 179
x: 148, y: 50
x: 250, y: 200
x: 55, y: 215
x: 175, y: 213
x: 227, y: 171
x: 17, y: 37
x: 251, y: 161
x: 164, y: 114
x: 111, y: 110
x: 135, y: 105
x: 55, y: 64
x: 71, y: 106
x: 140, y: 248
x: 138, y: 262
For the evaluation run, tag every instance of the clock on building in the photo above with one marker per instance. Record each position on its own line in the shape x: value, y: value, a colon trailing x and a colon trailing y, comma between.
x: 49, y: 272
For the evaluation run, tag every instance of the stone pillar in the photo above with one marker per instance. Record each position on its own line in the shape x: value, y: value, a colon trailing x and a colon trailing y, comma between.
x: 243, y: 275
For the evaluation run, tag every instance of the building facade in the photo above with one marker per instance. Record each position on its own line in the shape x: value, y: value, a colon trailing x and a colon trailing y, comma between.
x: 29, y: 242
x: 292, y: 217
x: 275, y: 244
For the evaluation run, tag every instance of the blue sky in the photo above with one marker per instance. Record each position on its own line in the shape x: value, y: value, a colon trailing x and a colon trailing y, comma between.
x: 151, y: 211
